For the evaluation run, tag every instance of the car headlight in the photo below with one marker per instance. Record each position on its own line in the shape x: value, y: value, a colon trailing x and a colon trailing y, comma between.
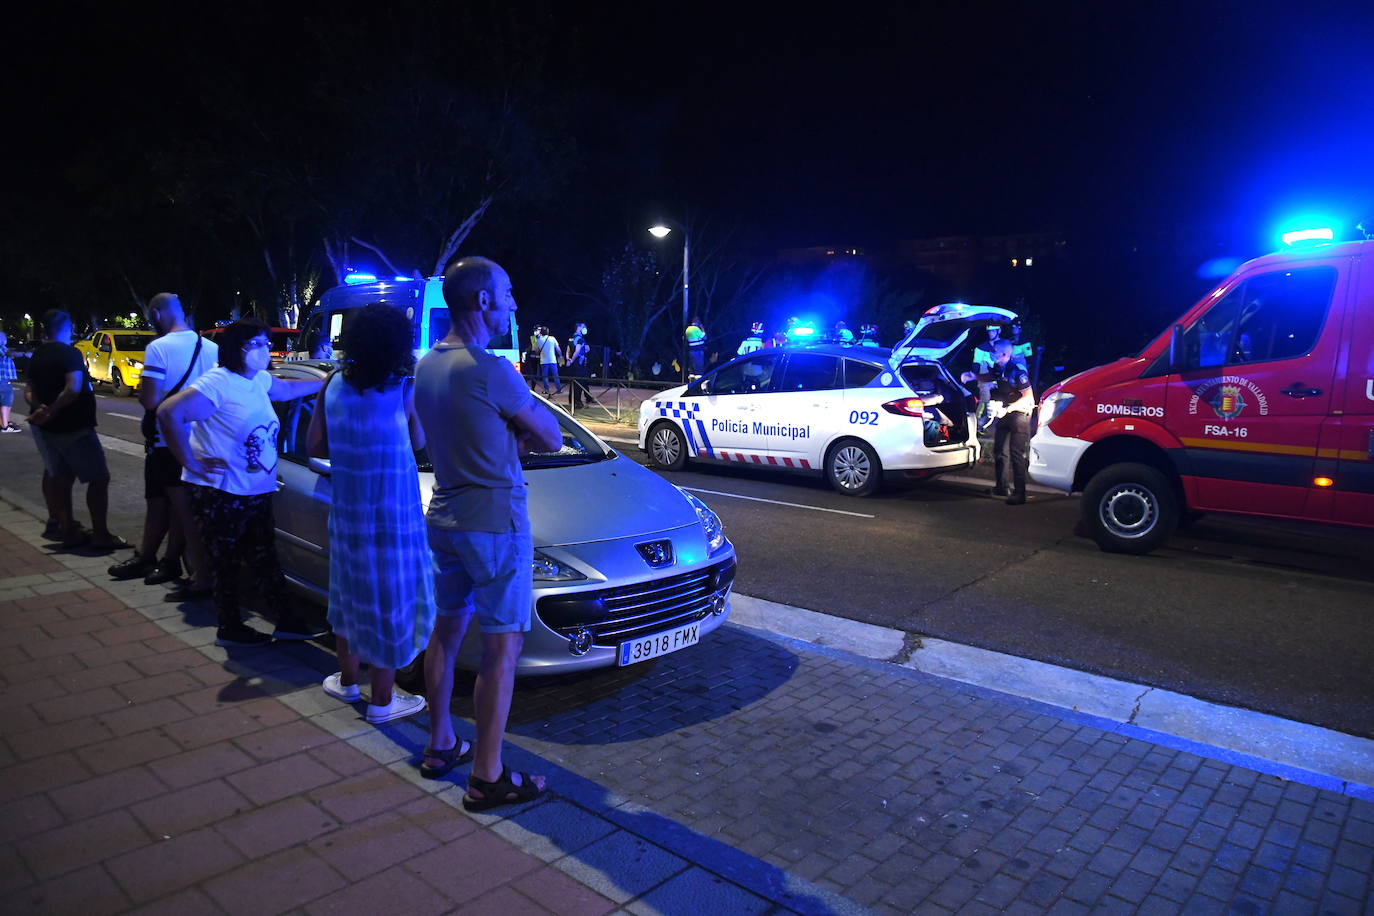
x: 132, y: 363
x: 1053, y: 405
x: 710, y: 523
x: 547, y: 569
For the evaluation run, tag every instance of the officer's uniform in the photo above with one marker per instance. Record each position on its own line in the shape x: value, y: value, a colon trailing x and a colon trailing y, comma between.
x: 1021, y: 354
x: 750, y: 344
x: 983, y: 363
x: 1011, y: 439
x: 696, y: 348
x: 577, y: 361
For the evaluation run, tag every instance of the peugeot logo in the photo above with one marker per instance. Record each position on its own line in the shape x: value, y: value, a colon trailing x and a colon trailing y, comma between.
x: 657, y: 554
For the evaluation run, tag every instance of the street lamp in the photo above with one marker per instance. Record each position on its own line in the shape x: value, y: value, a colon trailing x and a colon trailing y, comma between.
x: 661, y: 231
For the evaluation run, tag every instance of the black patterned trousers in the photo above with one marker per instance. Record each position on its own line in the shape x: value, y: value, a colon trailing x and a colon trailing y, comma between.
x: 238, y: 529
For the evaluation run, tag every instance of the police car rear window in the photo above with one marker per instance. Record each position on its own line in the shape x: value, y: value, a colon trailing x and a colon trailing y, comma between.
x: 858, y: 375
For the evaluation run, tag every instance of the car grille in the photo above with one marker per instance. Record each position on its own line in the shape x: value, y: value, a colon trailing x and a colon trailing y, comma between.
x: 614, y: 615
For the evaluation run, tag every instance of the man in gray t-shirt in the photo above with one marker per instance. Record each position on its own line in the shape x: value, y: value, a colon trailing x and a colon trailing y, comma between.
x: 478, y: 418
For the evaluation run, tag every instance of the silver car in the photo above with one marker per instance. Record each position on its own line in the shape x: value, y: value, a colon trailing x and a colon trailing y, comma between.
x: 627, y: 567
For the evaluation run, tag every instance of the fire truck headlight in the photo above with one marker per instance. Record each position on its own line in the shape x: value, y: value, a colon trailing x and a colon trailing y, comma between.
x: 1053, y: 405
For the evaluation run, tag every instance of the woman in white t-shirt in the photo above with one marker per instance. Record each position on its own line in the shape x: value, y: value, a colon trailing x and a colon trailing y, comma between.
x: 223, y: 431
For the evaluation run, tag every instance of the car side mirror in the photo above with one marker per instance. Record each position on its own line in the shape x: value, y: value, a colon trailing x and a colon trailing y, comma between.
x: 1176, y: 348
x: 319, y: 466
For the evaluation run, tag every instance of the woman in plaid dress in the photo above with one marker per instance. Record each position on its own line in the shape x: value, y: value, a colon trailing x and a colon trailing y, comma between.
x: 381, y: 587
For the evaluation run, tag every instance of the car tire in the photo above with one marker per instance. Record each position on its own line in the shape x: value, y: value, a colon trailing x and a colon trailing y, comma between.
x: 666, y: 447
x: 853, y: 468
x: 1130, y: 508
x: 117, y: 386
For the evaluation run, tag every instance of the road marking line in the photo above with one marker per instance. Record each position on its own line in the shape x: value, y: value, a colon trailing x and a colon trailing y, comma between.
x: 123, y: 416
x: 778, y: 502
x: 634, y: 442
x: 120, y: 445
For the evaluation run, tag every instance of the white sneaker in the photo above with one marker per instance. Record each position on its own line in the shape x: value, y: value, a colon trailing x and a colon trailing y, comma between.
x: 333, y: 685
x: 401, y: 705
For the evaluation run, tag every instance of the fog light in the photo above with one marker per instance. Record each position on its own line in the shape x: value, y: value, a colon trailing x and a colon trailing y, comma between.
x: 580, y: 643
x: 718, y: 602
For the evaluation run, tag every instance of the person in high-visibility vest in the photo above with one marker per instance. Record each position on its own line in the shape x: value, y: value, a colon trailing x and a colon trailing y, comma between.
x: 754, y: 341
x: 907, y: 327
x: 696, y: 347
x: 1021, y: 351
x: 983, y: 366
x: 868, y: 335
x: 843, y: 335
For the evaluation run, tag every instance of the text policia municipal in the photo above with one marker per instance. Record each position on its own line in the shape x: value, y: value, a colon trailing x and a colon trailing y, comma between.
x: 759, y: 428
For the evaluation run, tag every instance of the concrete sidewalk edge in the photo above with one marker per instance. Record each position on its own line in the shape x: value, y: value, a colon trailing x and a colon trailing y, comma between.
x: 1296, y: 751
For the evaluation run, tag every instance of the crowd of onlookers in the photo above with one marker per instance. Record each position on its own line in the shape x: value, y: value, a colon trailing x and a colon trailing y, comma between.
x: 403, y: 581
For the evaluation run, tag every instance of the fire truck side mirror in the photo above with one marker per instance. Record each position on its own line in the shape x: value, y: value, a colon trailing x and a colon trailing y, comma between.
x: 1176, y: 348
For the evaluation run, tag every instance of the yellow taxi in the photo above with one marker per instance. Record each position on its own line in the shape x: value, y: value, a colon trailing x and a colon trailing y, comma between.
x: 115, y: 356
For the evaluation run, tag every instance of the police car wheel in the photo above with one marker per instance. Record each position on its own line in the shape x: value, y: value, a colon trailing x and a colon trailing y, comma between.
x: 853, y: 468
x: 667, y: 452
x: 1130, y: 508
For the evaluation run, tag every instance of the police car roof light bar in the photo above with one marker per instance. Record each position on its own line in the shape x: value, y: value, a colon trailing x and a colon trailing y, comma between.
x: 1313, y: 236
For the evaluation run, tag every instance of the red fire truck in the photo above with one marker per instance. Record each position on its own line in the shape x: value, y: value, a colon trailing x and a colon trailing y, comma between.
x: 1259, y: 400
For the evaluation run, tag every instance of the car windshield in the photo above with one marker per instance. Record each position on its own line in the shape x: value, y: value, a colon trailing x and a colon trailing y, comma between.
x: 131, y: 341
x: 579, y: 447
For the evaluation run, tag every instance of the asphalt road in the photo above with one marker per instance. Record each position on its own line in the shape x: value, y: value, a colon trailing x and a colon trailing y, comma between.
x: 1274, y: 617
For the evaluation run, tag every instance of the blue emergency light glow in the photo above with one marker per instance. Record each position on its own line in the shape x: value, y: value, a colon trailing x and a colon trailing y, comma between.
x: 1321, y: 234
x: 801, y: 330
x: 401, y: 279
x: 353, y: 279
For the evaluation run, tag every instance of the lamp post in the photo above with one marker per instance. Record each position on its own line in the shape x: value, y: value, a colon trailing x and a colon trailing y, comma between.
x: 661, y: 231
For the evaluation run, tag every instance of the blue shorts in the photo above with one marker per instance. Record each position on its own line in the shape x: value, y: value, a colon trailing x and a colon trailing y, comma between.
x: 76, y: 454
x: 484, y: 572
x: 6, y: 394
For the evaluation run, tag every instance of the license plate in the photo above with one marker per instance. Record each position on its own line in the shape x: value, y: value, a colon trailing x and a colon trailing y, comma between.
x: 647, y: 647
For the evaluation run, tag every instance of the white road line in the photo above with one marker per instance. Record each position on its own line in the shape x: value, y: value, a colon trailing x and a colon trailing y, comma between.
x: 121, y: 445
x: 777, y: 502
x: 123, y: 416
x: 634, y: 442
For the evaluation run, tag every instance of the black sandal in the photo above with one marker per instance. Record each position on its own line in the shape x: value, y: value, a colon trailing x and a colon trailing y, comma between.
x: 501, y: 792
x: 451, y: 758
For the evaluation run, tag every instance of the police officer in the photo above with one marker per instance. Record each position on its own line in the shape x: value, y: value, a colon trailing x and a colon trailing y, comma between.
x: 907, y: 327
x: 984, y: 365
x: 1011, y: 404
x: 578, y: 350
x: 1021, y: 351
x: 868, y: 335
x: 843, y: 335
x: 754, y: 341
x: 696, y: 347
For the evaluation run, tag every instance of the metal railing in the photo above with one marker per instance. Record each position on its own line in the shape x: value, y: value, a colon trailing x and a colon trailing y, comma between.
x: 605, y: 400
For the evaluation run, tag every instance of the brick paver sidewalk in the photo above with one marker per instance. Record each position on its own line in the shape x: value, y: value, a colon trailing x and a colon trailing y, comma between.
x: 143, y: 769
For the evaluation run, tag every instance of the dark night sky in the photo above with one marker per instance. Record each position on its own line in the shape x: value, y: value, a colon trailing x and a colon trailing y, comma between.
x: 906, y: 119
x: 811, y: 124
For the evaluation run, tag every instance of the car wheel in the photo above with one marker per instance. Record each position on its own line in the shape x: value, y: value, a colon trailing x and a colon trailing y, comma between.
x: 117, y: 386
x: 667, y: 451
x: 852, y: 467
x: 1130, y: 508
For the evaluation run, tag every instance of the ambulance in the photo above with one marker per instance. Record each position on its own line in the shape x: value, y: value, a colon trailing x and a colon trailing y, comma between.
x: 851, y: 414
x: 421, y: 300
x: 1259, y: 400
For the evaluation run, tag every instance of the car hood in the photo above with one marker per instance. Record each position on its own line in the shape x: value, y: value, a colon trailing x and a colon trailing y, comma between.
x: 943, y: 329
x: 602, y: 501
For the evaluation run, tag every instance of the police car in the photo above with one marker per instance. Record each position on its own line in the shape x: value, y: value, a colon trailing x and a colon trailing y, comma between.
x: 852, y: 414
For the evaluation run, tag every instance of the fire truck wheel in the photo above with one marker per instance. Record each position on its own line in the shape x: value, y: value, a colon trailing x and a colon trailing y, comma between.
x: 1129, y: 508
x: 667, y: 451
